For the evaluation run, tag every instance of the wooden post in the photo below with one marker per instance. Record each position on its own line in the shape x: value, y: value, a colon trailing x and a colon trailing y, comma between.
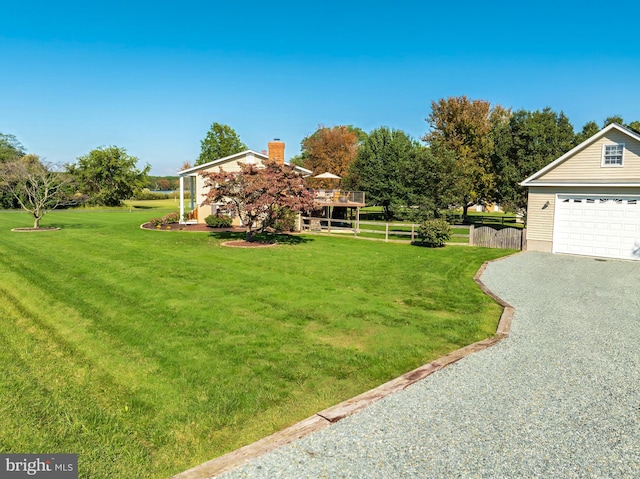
x: 386, y: 232
x: 357, y: 220
x: 471, y: 243
x: 412, y: 231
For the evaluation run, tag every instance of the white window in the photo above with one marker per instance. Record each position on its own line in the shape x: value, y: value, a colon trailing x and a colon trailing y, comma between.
x: 612, y: 155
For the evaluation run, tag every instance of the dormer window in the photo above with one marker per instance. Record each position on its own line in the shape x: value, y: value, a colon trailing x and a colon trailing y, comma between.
x: 612, y: 155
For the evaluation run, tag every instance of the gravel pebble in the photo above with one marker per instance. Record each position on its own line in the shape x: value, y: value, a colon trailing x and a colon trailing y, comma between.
x: 559, y: 398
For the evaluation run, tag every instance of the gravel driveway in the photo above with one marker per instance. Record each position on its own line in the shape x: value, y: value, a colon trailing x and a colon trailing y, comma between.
x: 559, y: 398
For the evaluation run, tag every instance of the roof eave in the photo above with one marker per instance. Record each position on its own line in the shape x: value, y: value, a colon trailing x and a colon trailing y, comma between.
x: 581, y: 146
x: 582, y: 184
x: 220, y: 160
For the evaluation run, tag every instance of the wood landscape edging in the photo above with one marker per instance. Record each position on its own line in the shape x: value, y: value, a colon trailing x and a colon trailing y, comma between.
x: 326, y: 417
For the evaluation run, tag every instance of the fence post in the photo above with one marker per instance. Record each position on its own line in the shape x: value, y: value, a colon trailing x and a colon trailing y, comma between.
x: 471, y: 242
x: 412, y: 229
x: 386, y: 232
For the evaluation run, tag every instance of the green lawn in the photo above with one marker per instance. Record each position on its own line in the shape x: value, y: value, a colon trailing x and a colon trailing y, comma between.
x: 149, y: 352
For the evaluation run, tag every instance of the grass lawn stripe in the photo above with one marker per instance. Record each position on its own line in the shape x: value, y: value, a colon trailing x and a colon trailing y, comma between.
x: 167, y: 349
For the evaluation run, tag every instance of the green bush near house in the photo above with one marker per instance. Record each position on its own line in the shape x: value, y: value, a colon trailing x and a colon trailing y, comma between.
x: 149, y: 353
x: 434, y: 233
x: 215, y: 221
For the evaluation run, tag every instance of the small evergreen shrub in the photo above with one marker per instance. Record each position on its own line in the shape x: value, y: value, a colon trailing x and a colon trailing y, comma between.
x: 285, y: 220
x: 215, y: 221
x: 171, y: 217
x: 165, y: 220
x: 434, y: 233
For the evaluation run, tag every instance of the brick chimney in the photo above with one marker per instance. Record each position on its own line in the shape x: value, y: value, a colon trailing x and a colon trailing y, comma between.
x: 276, y: 151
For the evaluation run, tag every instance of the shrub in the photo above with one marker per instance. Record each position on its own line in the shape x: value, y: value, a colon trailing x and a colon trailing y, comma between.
x: 452, y: 217
x: 434, y: 233
x: 215, y: 221
x: 165, y: 220
x: 171, y: 217
x: 285, y: 220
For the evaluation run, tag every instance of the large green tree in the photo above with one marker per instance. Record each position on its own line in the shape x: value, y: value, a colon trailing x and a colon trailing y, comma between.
x: 108, y: 175
x: 397, y: 173
x: 221, y: 141
x: 529, y: 142
x: 10, y: 148
x: 463, y: 128
x: 588, y: 130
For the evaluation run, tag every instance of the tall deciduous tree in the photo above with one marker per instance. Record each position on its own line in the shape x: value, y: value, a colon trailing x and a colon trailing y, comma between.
x: 258, y: 194
x: 37, y: 187
x: 532, y: 141
x: 10, y: 148
x: 463, y: 127
x: 396, y: 172
x: 108, y: 175
x: 221, y: 141
x: 588, y: 130
x: 331, y: 149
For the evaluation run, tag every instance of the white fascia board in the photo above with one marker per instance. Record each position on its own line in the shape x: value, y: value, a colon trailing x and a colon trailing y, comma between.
x: 581, y: 146
x: 221, y: 160
x: 301, y: 169
x: 583, y: 185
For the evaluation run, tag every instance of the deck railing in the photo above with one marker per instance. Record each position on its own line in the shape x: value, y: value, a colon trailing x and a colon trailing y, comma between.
x: 338, y: 196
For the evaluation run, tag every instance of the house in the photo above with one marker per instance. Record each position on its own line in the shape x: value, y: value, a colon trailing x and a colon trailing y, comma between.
x: 191, y: 208
x: 587, y: 202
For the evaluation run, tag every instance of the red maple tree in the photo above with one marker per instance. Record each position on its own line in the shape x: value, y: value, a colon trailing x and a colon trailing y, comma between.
x: 257, y: 194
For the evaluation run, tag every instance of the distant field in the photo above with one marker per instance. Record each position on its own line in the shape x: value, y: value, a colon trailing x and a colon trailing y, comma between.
x: 149, y: 352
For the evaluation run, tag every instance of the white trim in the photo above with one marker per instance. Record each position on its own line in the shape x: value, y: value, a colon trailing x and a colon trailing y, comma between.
x: 584, y: 185
x: 223, y: 160
x: 581, y: 146
x: 612, y: 165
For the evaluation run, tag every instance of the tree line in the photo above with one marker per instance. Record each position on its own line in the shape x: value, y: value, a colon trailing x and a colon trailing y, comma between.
x: 105, y: 176
x: 472, y: 153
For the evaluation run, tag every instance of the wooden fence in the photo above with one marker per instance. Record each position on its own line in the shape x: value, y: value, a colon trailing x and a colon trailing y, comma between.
x: 489, y: 237
x: 486, y: 236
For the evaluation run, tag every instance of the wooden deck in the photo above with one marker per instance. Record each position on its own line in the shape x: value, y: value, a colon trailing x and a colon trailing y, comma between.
x: 352, y: 199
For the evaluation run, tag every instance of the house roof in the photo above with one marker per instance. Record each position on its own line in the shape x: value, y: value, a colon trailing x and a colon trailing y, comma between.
x: 236, y: 156
x: 531, y: 181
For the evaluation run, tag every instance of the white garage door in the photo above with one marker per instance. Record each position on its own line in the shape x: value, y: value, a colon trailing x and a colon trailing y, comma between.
x: 597, y: 226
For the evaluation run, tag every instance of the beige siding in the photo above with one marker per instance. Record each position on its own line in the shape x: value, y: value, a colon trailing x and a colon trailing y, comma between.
x: 540, y: 214
x: 540, y: 218
x: 587, y: 163
x: 201, y: 190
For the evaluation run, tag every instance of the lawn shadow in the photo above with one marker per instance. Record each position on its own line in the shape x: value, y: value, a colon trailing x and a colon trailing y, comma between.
x: 280, y: 238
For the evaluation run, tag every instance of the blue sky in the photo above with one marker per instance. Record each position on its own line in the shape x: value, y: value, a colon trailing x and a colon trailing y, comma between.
x: 153, y: 76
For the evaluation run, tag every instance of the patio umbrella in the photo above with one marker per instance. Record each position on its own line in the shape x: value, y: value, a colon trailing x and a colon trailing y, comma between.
x: 328, y: 175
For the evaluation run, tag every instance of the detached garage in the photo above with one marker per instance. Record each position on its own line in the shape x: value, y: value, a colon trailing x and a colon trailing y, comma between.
x: 587, y: 202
